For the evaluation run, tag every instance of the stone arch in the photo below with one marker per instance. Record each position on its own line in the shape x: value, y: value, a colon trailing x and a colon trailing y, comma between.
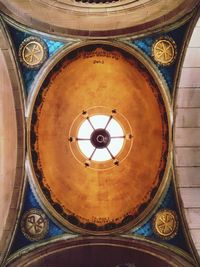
x: 94, y: 251
x: 67, y: 18
x: 11, y: 144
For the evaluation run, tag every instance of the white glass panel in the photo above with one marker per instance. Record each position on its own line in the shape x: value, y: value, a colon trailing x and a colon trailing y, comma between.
x: 86, y: 148
x: 85, y: 130
x: 116, y: 145
x: 114, y: 128
x: 99, y: 121
x: 101, y: 155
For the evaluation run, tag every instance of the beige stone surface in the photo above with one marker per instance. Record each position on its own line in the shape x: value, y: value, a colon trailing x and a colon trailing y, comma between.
x: 187, y: 117
x: 195, y: 41
x: 11, y: 144
x: 8, y: 143
x: 190, y: 77
x: 187, y: 156
x: 196, y: 237
x: 72, y: 18
x: 182, y: 140
x: 188, y: 176
x: 190, y: 197
x: 193, y: 216
x: 192, y: 58
x: 187, y: 136
x: 188, y: 97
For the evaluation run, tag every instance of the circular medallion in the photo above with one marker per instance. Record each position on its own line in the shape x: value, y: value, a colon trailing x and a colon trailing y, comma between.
x: 34, y: 224
x: 103, y: 141
x: 164, y: 51
x: 98, y: 142
x: 33, y: 52
x: 165, y: 224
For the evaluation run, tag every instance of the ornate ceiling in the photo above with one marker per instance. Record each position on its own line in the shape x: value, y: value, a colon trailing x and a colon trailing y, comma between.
x: 95, y: 154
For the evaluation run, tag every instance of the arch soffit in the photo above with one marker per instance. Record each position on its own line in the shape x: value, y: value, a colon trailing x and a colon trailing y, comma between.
x: 63, y: 247
x: 64, y: 18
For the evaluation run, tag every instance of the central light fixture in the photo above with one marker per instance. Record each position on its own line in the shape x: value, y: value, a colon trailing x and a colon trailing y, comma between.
x: 100, y: 137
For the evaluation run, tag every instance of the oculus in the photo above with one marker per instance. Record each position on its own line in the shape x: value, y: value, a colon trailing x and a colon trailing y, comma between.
x: 33, y: 52
x: 99, y: 92
x: 103, y: 140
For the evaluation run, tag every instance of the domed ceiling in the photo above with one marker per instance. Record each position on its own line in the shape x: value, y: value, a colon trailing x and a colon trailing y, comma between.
x: 98, y: 129
x: 84, y: 139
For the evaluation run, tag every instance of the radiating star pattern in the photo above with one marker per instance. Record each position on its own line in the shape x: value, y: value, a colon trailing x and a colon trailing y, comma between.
x: 166, y: 224
x: 164, y: 51
x: 33, y: 53
x: 34, y: 224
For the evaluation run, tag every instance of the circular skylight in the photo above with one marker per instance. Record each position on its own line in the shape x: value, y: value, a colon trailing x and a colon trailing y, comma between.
x: 100, y: 138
